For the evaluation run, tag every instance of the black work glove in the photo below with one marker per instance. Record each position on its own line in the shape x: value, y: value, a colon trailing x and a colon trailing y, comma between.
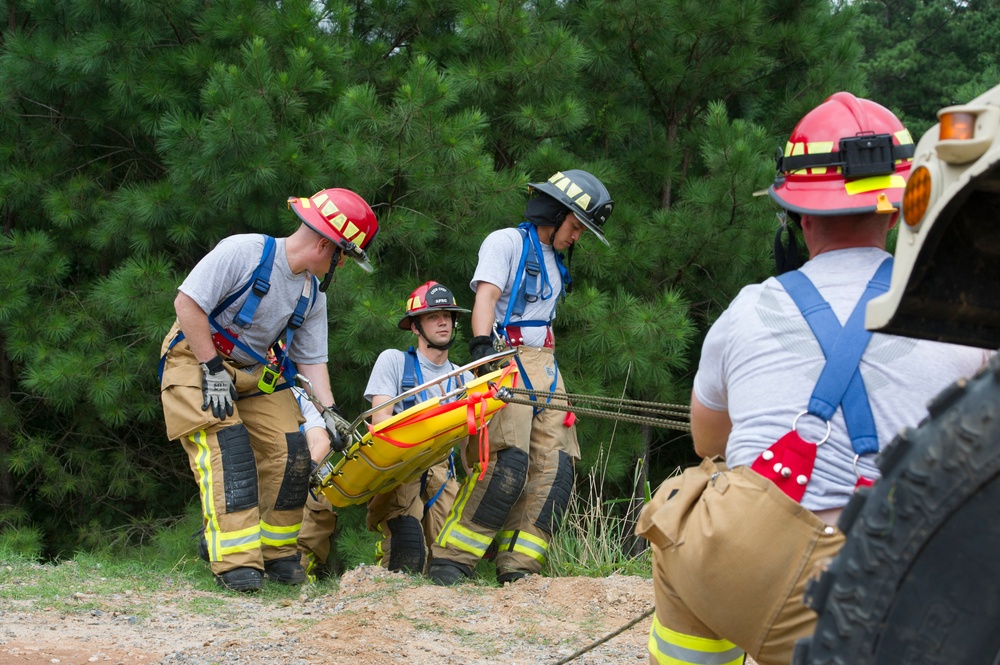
x: 481, y: 346
x: 217, y: 388
x: 337, y: 426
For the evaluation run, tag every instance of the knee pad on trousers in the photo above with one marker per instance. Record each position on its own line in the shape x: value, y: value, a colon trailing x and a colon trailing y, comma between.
x: 239, y: 468
x: 556, y: 502
x: 510, y: 471
x: 295, y: 483
x: 406, y: 544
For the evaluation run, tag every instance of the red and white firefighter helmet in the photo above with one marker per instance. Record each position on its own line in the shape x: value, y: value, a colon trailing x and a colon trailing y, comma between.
x: 846, y: 156
x: 341, y: 216
x: 429, y: 297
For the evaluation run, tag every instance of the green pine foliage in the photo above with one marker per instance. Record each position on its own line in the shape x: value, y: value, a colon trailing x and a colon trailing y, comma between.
x: 135, y: 135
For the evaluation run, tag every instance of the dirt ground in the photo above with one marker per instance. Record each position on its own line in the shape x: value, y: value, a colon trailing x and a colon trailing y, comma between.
x: 374, y: 618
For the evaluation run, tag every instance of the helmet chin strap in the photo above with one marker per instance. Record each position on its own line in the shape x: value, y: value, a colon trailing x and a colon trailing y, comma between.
x: 328, y: 277
x: 439, y: 347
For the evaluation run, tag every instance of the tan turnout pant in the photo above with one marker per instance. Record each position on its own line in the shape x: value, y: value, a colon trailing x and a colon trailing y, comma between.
x: 731, y: 557
x: 252, y: 468
x: 528, y: 482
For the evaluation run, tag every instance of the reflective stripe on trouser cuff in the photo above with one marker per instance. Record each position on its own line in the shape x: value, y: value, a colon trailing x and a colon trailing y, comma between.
x: 230, y: 542
x: 465, y: 539
x: 669, y: 647
x: 524, y: 543
x: 276, y: 536
x: 310, y: 561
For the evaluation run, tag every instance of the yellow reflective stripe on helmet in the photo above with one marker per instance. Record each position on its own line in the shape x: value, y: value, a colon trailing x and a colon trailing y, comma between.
x: 875, y: 183
x: 277, y: 536
x: 455, y: 514
x: 524, y: 543
x: 903, y: 136
x: 243, y: 540
x: 668, y: 647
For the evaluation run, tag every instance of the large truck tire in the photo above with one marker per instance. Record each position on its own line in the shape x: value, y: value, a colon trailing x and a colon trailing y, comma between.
x: 918, y: 579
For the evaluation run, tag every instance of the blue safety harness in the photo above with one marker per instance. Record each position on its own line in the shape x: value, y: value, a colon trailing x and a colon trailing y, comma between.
x: 413, y: 377
x: 531, y: 283
x: 259, y: 284
x: 840, y: 383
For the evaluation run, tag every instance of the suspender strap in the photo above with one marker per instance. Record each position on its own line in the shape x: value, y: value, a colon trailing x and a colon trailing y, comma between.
x: 531, y: 282
x: 259, y: 285
x: 412, y: 377
x: 840, y: 383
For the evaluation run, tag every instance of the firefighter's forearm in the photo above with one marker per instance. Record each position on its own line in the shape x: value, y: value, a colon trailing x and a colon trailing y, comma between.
x: 194, y: 325
x: 319, y: 377
x: 483, y: 317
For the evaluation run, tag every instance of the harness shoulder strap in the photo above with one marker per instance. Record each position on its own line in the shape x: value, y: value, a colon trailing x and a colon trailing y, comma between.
x: 259, y: 285
x: 412, y: 377
x: 840, y: 383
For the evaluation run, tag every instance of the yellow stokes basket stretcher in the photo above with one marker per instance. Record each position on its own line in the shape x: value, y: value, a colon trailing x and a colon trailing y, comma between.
x: 401, y: 448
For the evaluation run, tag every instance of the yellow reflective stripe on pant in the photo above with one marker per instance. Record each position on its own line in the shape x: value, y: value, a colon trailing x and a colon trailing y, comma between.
x: 219, y: 542
x: 454, y: 534
x: 668, y: 647
x: 276, y: 536
x: 523, y: 543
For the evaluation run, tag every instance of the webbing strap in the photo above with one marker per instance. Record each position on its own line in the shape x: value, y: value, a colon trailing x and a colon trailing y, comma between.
x: 259, y: 285
x: 840, y: 383
x: 412, y: 377
x: 536, y: 286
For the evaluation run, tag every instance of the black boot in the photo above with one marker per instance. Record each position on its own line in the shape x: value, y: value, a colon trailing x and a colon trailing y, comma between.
x: 511, y: 576
x: 244, y: 580
x: 448, y: 573
x: 286, y: 570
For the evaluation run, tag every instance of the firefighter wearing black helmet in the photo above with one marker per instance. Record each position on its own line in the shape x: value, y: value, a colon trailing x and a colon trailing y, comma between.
x: 519, y: 501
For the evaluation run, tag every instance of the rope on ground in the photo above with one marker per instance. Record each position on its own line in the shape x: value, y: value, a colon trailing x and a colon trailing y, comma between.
x: 604, y: 639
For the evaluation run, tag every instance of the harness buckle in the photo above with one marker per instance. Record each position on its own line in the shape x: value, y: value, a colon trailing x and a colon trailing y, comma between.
x: 261, y: 286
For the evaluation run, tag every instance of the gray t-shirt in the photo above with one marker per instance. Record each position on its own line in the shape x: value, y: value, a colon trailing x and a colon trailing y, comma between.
x: 387, y: 377
x: 499, y: 256
x: 224, y: 271
x: 760, y: 362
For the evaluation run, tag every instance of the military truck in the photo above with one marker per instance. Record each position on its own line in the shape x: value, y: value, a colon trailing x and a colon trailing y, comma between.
x: 918, y: 580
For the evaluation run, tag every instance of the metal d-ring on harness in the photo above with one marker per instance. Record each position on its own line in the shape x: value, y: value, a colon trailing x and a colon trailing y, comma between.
x: 655, y: 414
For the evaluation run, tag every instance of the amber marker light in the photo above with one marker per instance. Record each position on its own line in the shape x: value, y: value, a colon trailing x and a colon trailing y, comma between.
x: 917, y: 195
x: 957, y: 126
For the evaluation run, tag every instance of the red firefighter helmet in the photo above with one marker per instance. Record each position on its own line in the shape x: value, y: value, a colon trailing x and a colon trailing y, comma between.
x: 341, y: 216
x: 429, y: 297
x: 846, y: 156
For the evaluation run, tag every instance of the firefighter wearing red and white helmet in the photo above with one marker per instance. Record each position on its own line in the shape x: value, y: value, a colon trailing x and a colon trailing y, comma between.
x: 518, y: 503
x: 411, y: 515
x: 786, y: 367
x: 226, y: 401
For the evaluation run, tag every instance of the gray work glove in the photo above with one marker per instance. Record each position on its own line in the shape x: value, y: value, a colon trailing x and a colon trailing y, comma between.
x: 337, y: 426
x: 217, y: 388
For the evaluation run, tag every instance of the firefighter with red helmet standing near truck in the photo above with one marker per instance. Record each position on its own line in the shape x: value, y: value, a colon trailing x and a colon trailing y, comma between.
x: 798, y: 398
x: 517, y: 502
x: 227, y: 403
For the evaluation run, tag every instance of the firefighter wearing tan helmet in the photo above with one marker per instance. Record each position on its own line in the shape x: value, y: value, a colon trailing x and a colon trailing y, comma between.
x: 797, y: 397
x: 226, y: 401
